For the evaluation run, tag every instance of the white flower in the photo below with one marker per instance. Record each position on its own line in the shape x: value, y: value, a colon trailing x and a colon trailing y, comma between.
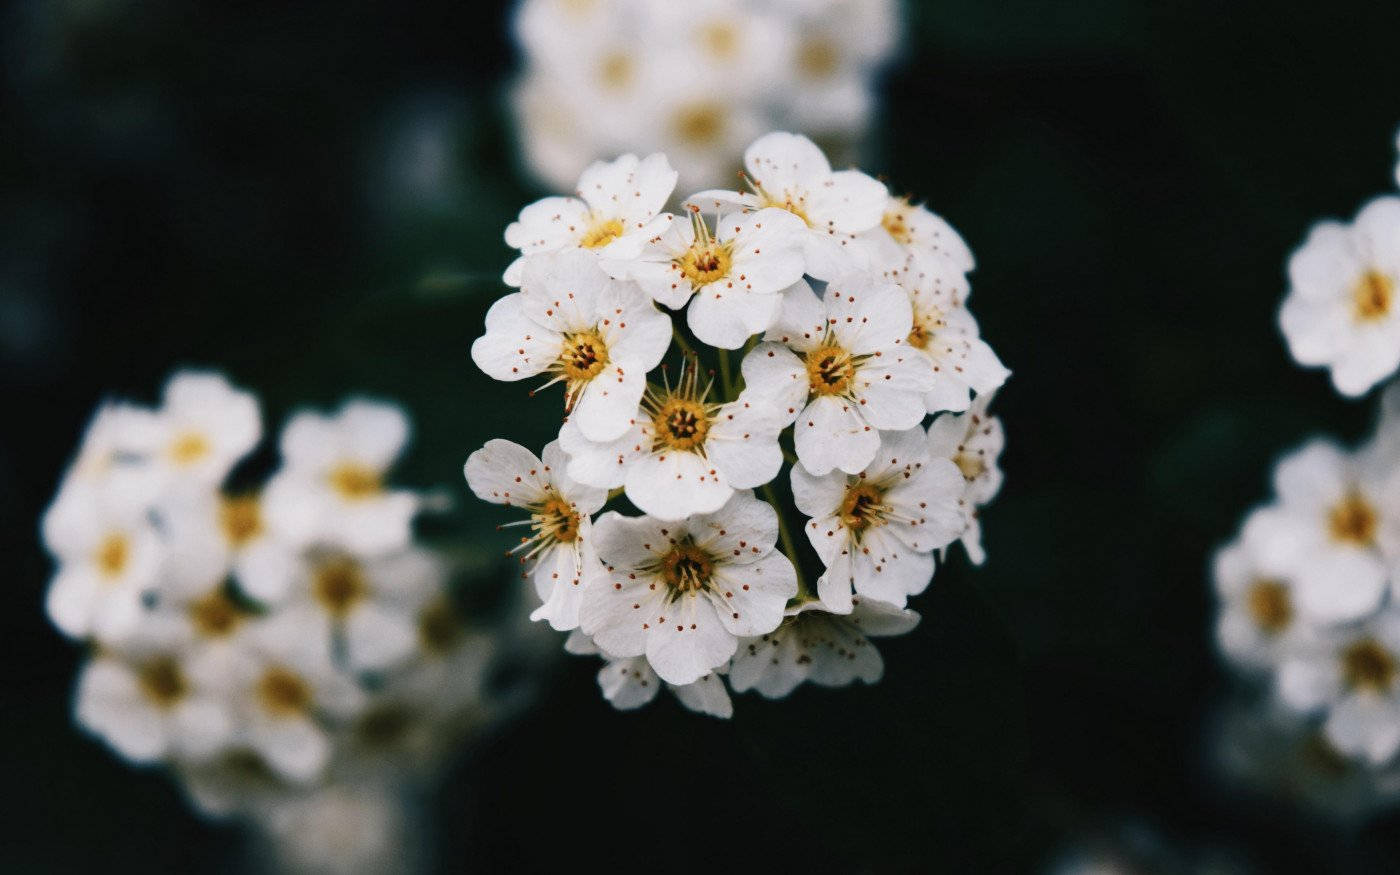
x: 365, y: 606
x: 559, y: 553
x: 876, y: 530
x: 789, y: 172
x: 1259, y: 623
x: 908, y: 229
x: 1342, y: 308
x: 842, y: 368
x: 630, y: 683
x: 208, y: 425
x: 330, y: 490
x: 109, y: 556
x: 1340, y: 526
x: 343, y: 828
x: 831, y: 650
x: 614, y: 197
x: 152, y: 705
x: 946, y: 335
x: 1354, y: 675
x: 973, y: 441
x: 213, y: 534
x: 684, y: 593
x: 116, y: 453
x: 737, y: 274
x: 682, y: 455
x: 598, y: 336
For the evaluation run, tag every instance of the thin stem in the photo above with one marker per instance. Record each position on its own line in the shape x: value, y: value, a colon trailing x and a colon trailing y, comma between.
x: 789, y: 546
x: 682, y: 342
x: 726, y: 379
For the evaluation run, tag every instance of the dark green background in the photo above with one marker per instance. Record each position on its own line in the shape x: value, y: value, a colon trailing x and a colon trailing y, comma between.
x: 188, y: 183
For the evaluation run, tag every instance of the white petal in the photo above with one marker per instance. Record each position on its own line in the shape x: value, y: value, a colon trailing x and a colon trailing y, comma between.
x: 514, y: 347
x: 690, y: 643
x: 377, y: 637
x: 504, y: 472
x: 830, y: 433
x: 673, y: 485
x: 706, y: 696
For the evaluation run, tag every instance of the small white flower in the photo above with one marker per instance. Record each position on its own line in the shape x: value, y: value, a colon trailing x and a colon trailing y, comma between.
x: 876, y: 530
x: 1259, y: 623
x: 213, y: 534
x: 1343, y: 303
x: 330, y: 490
x: 630, y: 683
x: 116, y: 453
x: 737, y: 274
x: 614, y: 197
x: 208, y: 426
x: 789, y: 172
x: 908, y: 229
x: 684, y: 593
x: 597, y: 335
x: 682, y: 455
x: 841, y: 367
x: 109, y: 556
x: 831, y: 650
x: 973, y: 441
x: 946, y: 335
x: 1341, y: 526
x: 344, y: 827
x: 1354, y: 675
x: 559, y: 553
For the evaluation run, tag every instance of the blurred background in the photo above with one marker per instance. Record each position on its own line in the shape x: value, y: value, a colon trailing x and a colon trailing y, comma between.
x: 311, y: 197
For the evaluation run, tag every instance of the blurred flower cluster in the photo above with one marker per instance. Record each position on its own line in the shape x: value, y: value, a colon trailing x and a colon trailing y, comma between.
x: 282, y: 645
x: 696, y: 80
x: 1309, y: 591
x: 847, y: 308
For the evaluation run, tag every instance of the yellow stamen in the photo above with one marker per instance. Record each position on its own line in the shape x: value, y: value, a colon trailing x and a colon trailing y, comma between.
x: 1366, y: 665
x: 817, y: 58
x: 113, y: 554
x: 338, y: 583
x: 1353, y: 520
x: 601, y: 234
x: 1373, y: 296
x: 1269, y: 605
x: 863, y: 507
x: 355, y: 482
x: 830, y: 369
x: 189, y: 448
x: 686, y: 568
x: 162, y: 682
x: 240, y: 518
x: 283, y: 693
x: 216, y: 615
x: 699, y: 124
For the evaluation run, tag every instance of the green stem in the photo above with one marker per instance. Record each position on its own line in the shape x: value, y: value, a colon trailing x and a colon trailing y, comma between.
x: 789, y: 546
x: 726, y: 380
x: 682, y: 342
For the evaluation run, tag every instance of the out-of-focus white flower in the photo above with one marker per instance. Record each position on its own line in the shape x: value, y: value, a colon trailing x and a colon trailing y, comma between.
x: 115, y: 453
x: 876, y: 530
x: 1259, y: 623
x: 946, y: 335
x: 559, y: 554
x: 151, y: 705
x: 683, y: 454
x: 1339, y: 528
x: 737, y: 273
x: 596, y: 335
x: 909, y: 230
x: 212, y: 534
x: 789, y: 172
x: 208, y: 425
x: 108, y: 554
x: 1343, y: 303
x: 841, y: 368
x: 343, y: 829
x: 828, y: 649
x: 1353, y: 675
x: 973, y: 441
x: 684, y: 593
x: 614, y: 197
x: 330, y: 491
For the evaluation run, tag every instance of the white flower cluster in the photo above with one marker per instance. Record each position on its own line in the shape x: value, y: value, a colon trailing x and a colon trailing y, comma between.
x: 849, y: 309
x: 268, y: 645
x: 696, y: 80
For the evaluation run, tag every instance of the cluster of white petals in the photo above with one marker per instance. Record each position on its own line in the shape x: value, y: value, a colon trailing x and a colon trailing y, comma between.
x: 270, y: 644
x: 846, y: 310
x: 696, y: 80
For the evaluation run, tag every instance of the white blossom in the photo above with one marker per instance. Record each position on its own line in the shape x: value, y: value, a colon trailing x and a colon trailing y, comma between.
x: 910, y: 230
x: 630, y: 683
x: 973, y: 441
x: 207, y: 426
x: 682, y: 594
x: 1259, y: 623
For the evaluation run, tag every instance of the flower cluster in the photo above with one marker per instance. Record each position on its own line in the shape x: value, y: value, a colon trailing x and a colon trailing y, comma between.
x: 848, y: 311
x: 1309, y: 591
x: 268, y: 643
x: 696, y: 80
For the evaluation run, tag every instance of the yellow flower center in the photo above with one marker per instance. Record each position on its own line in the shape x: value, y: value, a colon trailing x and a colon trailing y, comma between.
x: 862, y: 508
x: 1269, y: 605
x: 830, y: 370
x: 240, y: 519
x: 1353, y: 521
x: 817, y: 58
x: 615, y: 71
x: 215, y: 615
x: 439, y: 628
x: 896, y: 224
x: 338, y: 583
x: 970, y: 464
x: 113, y: 554
x: 699, y: 124
x: 686, y: 568
x: 558, y: 520
x: 681, y: 424
x: 1373, y: 296
x: 162, y: 682
x: 705, y: 262
x: 355, y: 482
x: 583, y: 356
x: 189, y: 448
x: 283, y: 693
x: 601, y: 234
x: 720, y: 39
x: 1366, y: 665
